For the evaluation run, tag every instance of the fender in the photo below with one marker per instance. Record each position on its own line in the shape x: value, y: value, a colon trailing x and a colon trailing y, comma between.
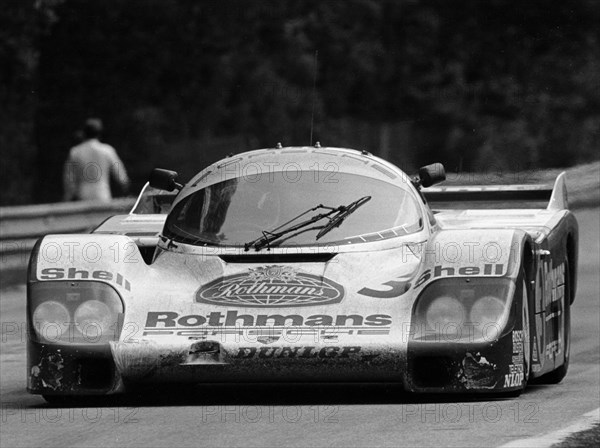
x: 562, y: 242
x: 473, y: 253
x: 112, y: 259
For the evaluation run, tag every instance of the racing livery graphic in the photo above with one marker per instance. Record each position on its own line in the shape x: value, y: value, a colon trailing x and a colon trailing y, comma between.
x: 309, y: 264
x: 271, y: 286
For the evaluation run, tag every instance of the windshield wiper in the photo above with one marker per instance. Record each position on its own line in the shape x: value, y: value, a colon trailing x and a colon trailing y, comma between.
x: 338, y: 219
x: 268, y: 237
x: 334, y: 221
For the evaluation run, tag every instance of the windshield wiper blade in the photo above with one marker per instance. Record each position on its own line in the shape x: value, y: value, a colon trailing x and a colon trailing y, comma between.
x: 269, y: 236
x: 342, y: 211
x: 345, y: 211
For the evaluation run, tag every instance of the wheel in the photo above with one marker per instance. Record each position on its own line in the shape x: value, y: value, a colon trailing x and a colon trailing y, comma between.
x: 557, y: 375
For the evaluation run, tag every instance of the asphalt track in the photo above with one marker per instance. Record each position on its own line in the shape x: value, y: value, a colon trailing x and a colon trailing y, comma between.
x: 309, y: 415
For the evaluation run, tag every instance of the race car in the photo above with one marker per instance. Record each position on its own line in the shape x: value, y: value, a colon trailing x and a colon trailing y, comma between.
x: 309, y: 264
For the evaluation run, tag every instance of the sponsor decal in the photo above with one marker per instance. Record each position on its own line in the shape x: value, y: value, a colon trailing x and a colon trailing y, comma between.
x: 269, y: 335
x: 463, y: 271
x: 271, y: 286
x: 82, y: 274
x: 297, y: 352
x: 552, y: 350
x: 513, y: 379
x: 554, y: 285
x: 265, y: 328
x: 394, y: 288
x: 517, y: 341
x: 171, y: 319
x: 516, y: 375
x: 554, y: 293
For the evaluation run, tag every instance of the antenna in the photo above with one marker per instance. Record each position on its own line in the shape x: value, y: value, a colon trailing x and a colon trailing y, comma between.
x: 312, y: 118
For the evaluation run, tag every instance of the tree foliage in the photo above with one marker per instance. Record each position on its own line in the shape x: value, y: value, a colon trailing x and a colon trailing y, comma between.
x: 180, y: 83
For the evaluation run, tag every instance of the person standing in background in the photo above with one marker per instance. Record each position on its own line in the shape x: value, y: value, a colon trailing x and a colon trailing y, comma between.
x: 90, y: 166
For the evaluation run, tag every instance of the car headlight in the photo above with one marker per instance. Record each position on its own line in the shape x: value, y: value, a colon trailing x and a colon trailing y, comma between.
x: 52, y: 318
x: 93, y: 318
x: 445, y: 313
x: 486, y: 310
x: 75, y: 312
x: 462, y: 310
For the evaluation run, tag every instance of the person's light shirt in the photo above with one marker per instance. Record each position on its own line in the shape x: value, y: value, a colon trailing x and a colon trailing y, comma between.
x: 88, y: 171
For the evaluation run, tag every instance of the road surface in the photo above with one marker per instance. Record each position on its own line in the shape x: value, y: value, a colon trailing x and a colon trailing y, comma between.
x: 309, y: 415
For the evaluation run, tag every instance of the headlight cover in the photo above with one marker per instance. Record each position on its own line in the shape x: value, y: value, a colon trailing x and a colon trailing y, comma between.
x: 462, y: 310
x: 53, y: 317
x: 447, y: 312
x: 75, y: 312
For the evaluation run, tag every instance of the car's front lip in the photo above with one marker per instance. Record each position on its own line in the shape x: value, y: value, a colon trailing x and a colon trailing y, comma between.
x: 61, y: 369
x: 247, y: 362
x: 425, y: 367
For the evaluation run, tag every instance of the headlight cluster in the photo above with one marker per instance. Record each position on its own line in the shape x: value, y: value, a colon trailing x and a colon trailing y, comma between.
x: 75, y: 312
x: 462, y: 310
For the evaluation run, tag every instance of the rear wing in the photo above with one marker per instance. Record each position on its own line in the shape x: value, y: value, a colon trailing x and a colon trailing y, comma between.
x: 499, y: 196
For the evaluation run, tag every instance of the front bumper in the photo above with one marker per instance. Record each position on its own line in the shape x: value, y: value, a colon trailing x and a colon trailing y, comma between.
x: 453, y: 367
x: 427, y: 367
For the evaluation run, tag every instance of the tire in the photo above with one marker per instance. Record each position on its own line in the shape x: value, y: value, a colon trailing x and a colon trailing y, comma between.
x: 557, y: 375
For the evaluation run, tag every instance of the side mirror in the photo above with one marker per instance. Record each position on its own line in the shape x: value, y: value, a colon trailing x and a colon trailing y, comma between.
x: 430, y: 175
x: 164, y: 180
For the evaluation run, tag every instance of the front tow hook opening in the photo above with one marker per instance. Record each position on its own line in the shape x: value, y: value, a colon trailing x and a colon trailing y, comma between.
x: 204, y: 352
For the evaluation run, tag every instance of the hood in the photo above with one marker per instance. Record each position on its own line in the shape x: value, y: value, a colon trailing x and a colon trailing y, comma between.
x: 217, y: 310
x: 200, y: 295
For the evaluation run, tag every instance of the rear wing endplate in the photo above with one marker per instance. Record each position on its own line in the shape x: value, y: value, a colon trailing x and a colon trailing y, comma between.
x: 500, y: 196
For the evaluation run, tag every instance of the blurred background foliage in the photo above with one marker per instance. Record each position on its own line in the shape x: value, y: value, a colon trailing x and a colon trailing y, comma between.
x: 181, y: 83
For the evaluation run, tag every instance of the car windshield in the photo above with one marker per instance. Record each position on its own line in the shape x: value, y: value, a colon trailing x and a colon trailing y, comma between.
x: 235, y: 211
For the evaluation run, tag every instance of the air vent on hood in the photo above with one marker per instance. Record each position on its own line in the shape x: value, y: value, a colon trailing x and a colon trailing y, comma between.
x: 278, y: 258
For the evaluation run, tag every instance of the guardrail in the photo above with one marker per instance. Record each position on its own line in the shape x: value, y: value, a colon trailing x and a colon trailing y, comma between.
x: 22, y: 226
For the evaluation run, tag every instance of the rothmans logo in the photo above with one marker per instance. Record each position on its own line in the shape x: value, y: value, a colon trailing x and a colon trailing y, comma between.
x: 270, y: 287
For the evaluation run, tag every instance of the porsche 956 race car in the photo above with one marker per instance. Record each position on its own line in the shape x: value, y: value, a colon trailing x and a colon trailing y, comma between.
x: 303, y: 264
